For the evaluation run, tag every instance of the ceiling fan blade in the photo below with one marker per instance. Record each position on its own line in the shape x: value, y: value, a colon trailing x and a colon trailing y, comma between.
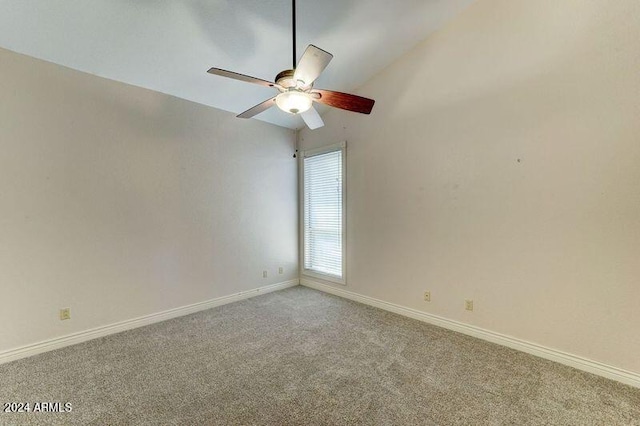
x: 241, y: 77
x: 258, y: 108
x: 312, y: 119
x: 343, y: 101
x: 313, y: 62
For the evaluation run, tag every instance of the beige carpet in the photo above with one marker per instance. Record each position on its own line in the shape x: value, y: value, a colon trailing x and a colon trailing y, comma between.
x: 302, y: 357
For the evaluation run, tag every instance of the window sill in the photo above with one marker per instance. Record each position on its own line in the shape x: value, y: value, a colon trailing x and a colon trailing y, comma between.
x: 324, y: 277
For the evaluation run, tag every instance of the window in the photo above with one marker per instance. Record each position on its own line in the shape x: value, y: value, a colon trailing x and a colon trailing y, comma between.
x: 323, y: 213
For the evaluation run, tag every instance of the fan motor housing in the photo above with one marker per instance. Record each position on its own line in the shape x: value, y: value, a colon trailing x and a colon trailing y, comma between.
x: 285, y: 79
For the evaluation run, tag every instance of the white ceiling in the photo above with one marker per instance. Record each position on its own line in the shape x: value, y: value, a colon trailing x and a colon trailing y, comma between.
x: 168, y: 45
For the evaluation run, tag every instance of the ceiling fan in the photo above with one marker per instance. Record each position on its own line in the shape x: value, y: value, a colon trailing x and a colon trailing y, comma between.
x: 297, y: 93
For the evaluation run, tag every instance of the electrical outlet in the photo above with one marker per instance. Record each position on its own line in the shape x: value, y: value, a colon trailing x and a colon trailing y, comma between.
x: 468, y: 305
x: 427, y: 296
x: 264, y: 274
x: 65, y: 314
x: 281, y: 270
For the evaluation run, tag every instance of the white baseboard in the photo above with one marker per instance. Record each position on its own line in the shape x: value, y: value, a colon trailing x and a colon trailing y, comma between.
x: 594, y: 367
x: 83, y: 336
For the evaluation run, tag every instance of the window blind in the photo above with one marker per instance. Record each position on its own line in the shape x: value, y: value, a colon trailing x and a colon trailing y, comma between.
x: 323, y: 213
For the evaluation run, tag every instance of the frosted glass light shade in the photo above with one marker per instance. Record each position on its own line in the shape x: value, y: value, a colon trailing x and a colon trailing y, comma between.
x: 293, y: 102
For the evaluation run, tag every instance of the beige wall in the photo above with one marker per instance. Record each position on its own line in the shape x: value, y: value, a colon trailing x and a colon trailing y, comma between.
x: 120, y: 202
x: 502, y: 164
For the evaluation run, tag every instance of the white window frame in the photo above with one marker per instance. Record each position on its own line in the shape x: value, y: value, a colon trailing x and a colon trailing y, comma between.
x: 342, y: 146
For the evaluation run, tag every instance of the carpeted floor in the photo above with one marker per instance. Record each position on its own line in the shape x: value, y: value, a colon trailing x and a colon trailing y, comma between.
x: 302, y: 357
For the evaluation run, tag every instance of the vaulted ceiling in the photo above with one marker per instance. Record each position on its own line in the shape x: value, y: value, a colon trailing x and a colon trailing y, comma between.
x: 168, y: 45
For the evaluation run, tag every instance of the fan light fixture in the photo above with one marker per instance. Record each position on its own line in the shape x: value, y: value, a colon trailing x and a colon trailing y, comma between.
x: 294, y: 102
